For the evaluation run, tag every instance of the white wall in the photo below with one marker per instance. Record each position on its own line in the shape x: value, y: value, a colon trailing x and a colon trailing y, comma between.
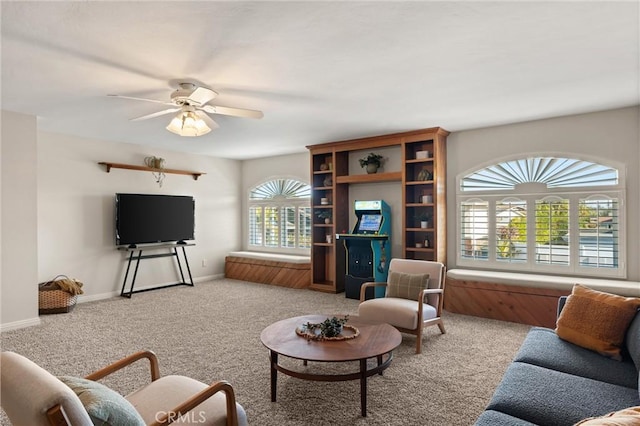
x: 610, y: 136
x: 76, y: 211
x: 19, y: 245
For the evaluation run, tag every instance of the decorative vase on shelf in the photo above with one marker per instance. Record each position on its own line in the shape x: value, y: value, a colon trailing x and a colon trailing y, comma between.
x: 327, y: 220
x: 424, y: 224
x: 372, y: 168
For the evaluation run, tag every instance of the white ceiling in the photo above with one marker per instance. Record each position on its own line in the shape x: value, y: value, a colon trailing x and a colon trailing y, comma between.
x: 320, y: 71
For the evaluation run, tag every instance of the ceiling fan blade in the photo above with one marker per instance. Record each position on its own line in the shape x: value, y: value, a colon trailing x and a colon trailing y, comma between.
x: 236, y: 112
x: 202, y: 95
x: 156, y: 114
x: 141, y: 99
x: 212, y: 124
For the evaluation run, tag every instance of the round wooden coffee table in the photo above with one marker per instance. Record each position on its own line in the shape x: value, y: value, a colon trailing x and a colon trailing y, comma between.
x: 376, y: 340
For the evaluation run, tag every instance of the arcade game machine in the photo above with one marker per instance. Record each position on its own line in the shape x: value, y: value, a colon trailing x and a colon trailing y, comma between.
x: 368, y: 248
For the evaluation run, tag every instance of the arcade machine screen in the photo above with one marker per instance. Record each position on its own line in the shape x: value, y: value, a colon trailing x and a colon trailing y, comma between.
x: 369, y: 223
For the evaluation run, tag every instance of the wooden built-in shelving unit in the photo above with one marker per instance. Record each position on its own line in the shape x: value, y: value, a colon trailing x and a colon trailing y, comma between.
x: 331, y: 178
x: 110, y: 166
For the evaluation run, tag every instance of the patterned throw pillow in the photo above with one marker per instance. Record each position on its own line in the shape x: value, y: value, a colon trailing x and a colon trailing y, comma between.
x: 406, y: 286
x: 105, y: 406
x: 596, y: 320
x: 627, y: 417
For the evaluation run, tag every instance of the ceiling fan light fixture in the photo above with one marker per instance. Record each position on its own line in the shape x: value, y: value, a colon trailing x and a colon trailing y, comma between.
x: 188, y: 123
x: 192, y: 102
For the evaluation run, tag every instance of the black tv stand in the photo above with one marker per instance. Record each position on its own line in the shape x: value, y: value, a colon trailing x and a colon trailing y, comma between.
x: 174, y: 252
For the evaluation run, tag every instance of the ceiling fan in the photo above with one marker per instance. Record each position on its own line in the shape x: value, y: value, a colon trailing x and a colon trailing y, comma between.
x: 192, y: 104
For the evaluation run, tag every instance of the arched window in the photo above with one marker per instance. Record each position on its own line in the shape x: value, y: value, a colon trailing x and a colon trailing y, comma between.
x: 543, y: 214
x: 280, y: 215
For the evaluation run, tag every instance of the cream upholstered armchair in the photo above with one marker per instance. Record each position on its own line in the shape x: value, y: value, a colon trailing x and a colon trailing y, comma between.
x: 32, y: 396
x: 413, y: 298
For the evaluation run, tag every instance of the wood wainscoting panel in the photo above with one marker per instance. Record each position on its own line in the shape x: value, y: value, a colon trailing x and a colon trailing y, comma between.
x: 284, y: 274
x: 525, y: 305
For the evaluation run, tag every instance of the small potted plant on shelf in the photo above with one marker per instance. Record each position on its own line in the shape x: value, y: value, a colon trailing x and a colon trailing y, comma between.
x: 325, y: 215
x: 424, y: 219
x: 372, y: 162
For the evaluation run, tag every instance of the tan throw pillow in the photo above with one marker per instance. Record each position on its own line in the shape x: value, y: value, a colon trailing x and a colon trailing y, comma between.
x: 406, y: 286
x: 596, y: 320
x: 627, y: 417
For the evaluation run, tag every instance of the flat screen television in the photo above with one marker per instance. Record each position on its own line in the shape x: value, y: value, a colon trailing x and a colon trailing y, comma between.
x: 369, y: 223
x: 150, y: 218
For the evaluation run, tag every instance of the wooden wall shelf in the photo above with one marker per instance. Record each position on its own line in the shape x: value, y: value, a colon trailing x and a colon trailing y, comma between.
x: 110, y: 166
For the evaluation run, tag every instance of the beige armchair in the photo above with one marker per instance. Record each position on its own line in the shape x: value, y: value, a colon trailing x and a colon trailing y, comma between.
x: 32, y: 396
x: 413, y: 298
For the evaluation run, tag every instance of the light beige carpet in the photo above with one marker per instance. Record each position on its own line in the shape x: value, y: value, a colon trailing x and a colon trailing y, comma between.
x: 212, y: 331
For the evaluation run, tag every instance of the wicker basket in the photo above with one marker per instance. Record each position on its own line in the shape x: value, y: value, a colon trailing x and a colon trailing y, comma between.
x: 52, y: 300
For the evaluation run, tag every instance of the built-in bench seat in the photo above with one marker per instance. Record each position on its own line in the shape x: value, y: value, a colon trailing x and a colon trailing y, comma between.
x: 269, y: 268
x: 519, y: 297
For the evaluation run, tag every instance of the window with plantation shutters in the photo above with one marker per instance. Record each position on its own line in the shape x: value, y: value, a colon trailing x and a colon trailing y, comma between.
x: 552, y: 231
x: 599, y: 224
x: 511, y: 231
x: 255, y: 226
x: 474, y: 225
x: 280, y: 215
x: 543, y: 214
x: 304, y: 227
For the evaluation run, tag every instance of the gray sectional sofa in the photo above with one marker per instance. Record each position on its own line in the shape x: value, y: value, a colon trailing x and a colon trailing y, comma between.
x: 553, y: 382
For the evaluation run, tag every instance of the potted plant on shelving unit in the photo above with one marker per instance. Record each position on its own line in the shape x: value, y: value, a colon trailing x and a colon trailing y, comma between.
x: 424, y: 219
x: 372, y: 162
x: 324, y: 215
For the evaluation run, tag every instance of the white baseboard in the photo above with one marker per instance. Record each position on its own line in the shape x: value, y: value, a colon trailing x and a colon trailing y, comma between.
x: 20, y: 324
x: 208, y: 278
x: 109, y: 295
x: 94, y: 297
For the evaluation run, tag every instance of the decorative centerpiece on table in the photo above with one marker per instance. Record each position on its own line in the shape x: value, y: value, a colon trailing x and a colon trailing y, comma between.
x: 329, y: 329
